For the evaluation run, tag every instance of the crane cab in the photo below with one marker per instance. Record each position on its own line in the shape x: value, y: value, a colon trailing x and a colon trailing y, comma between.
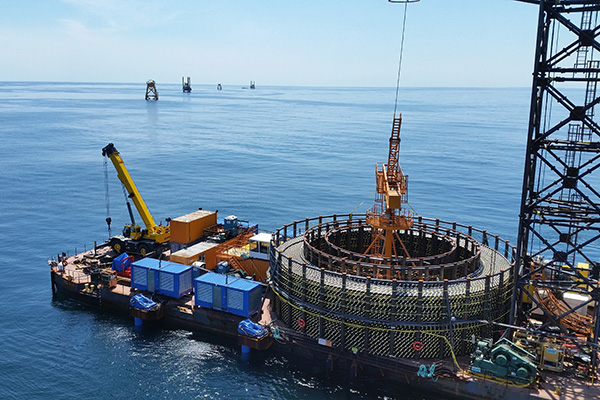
x: 133, y: 231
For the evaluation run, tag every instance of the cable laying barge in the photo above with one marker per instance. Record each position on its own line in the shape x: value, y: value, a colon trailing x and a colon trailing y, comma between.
x: 388, y: 293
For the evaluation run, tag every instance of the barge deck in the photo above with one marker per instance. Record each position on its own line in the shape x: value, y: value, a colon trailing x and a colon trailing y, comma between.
x: 444, y: 376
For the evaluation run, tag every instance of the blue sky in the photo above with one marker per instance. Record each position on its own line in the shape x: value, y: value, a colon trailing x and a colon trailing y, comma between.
x: 273, y: 42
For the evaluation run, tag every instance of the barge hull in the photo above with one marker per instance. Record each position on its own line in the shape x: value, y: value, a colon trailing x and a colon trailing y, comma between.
x: 181, y: 313
x: 177, y: 314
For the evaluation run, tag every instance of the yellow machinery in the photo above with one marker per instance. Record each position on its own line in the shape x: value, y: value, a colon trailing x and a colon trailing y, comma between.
x: 555, y: 353
x: 134, y: 238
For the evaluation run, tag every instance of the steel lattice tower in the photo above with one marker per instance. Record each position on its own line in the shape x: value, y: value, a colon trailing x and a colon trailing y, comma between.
x: 559, y: 229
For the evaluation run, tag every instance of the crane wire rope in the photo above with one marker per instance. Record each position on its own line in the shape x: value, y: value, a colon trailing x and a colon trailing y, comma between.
x: 107, y: 196
x: 400, y: 58
x: 352, y: 212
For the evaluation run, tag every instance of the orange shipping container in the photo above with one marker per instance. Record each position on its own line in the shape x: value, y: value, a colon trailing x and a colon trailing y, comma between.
x: 193, y: 253
x: 190, y: 227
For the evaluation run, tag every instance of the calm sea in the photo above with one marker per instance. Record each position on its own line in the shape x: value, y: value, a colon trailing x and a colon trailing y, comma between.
x: 270, y: 156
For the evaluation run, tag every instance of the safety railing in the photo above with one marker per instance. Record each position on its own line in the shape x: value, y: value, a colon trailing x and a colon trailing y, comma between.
x: 338, y: 305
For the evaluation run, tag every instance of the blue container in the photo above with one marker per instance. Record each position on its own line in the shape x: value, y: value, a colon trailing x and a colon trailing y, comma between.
x: 175, y: 280
x: 164, y: 277
x: 142, y: 275
x: 227, y: 293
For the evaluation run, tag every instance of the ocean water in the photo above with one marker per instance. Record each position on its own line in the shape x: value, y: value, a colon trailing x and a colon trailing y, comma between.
x: 271, y: 156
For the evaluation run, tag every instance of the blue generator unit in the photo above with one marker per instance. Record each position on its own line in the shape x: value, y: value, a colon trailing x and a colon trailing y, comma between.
x: 162, y: 277
x: 228, y: 293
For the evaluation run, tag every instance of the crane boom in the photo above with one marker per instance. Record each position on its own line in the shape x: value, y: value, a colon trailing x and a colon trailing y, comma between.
x: 157, y: 233
x: 394, y: 173
x: 391, y: 181
x: 388, y: 216
x: 111, y: 152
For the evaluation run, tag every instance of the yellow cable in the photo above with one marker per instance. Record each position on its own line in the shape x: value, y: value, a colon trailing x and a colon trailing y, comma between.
x: 353, y: 325
x: 450, y: 346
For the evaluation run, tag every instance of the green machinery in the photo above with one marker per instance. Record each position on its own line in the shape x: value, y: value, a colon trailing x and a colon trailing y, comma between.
x: 503, y: 360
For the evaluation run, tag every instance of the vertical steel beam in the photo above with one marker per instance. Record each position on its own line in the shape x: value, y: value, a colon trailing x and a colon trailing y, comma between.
x: 559, y: 220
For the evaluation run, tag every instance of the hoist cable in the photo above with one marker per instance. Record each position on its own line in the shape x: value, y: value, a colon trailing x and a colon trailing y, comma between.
x: 400, y: 59
x: 106, y: 195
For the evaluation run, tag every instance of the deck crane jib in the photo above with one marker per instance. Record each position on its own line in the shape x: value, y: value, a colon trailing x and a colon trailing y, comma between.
x: 389, y: 215
x: 135, y: 239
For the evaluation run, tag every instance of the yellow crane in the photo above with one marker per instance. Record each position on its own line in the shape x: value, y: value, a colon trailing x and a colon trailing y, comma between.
x: 135, y: 239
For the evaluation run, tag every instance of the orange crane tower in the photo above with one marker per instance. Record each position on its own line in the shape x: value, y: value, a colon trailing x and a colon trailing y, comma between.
x: 388, y: 215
